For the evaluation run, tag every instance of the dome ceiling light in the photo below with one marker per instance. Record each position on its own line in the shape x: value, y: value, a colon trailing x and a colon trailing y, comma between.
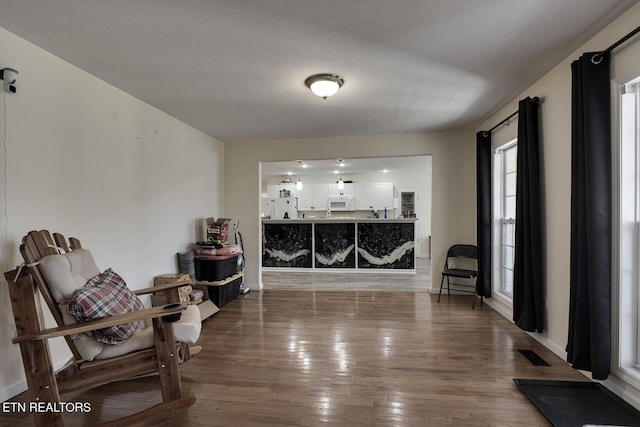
x: 324, y: 85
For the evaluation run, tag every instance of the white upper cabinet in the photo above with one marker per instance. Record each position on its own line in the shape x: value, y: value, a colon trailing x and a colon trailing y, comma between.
x: 382, y: 195
x: 313, y: 197
x: 364, y: 196
x: 374, y: 195
x: 273, y: 190
x: 334, y: 191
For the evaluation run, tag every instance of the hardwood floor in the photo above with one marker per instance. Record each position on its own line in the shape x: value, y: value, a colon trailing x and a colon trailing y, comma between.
x: 339, y: 358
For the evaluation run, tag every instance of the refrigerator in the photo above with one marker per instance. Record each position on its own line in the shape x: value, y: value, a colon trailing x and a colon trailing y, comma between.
x: 267, y: 208
x: 285, y: 207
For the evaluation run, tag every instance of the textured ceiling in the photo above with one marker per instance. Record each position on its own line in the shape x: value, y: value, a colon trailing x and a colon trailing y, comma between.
x: 235, y: 69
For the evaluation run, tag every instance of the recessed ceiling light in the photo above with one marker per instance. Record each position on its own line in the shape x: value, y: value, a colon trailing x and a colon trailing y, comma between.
x: 385, y: 170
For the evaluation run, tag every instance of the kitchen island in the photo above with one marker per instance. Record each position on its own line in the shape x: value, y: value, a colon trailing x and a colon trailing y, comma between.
x: 342, y: 244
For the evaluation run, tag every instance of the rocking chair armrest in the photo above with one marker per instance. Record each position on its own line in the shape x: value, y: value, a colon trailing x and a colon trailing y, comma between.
x: 163, y: 287
x: 133, y: 316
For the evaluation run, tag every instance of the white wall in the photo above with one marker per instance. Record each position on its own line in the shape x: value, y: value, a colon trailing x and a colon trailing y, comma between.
x: 555, y: 110
x: 453, y: 177
x: 88, y: 160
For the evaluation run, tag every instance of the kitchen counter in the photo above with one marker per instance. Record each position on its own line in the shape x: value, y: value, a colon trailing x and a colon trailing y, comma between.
x: 308, y: 220
x: 345, y: 244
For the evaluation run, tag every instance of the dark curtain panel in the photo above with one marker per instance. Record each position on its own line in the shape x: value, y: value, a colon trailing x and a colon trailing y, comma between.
x: 589, y: 341
x: 483, y: 212
x: 528, y: 280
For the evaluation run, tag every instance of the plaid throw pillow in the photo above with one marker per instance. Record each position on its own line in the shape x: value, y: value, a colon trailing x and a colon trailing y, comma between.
x: 106, y: 295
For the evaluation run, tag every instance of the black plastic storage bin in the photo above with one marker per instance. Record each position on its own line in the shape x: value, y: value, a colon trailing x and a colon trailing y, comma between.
x: 215, y: 268
x: 220, y: 295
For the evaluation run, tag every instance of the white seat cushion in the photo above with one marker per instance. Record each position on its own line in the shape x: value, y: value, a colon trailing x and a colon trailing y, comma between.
x: 186, y: 330
x: 143, y: 338
x: 66, y: 273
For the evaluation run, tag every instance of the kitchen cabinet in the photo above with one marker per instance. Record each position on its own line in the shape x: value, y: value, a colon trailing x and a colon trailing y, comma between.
x: 374, y: 195
x: 367, y: 196
x: 313, y: 197
x: 273, y: 190
x: 382, y: 195
x: 364, y: 196
x: 305, y: 197
x: 408, y: 202
x: 334, y: 191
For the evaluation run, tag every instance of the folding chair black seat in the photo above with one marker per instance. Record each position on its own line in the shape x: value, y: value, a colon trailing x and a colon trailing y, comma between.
x: 461, y: 263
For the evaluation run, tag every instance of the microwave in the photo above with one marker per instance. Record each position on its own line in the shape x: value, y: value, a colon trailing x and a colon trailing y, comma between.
x: 343, y: 203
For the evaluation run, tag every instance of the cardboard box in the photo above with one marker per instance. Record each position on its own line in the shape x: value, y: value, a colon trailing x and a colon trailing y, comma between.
x: 183, y: 291
x: 218, y: 229
x: 207, y: 307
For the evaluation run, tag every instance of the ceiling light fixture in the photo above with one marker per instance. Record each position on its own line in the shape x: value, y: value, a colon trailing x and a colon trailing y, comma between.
x: 324, y: 85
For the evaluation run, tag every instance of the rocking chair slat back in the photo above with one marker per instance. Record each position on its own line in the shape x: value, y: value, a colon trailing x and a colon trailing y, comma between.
x: 35, y: 246
x: 60, y: 242
x: 75, y: 243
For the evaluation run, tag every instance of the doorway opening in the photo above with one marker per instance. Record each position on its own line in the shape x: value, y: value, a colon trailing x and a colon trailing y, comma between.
x: 377, y: 187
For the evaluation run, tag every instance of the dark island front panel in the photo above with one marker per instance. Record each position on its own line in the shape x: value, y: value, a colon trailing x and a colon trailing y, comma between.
x: 335, y: 245
x: 287, y: 245
x: 348, y: 245
x: 386, y: 245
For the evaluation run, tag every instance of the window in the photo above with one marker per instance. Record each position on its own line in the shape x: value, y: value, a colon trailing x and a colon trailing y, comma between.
x: 505, y: 173
x: 627, y: 251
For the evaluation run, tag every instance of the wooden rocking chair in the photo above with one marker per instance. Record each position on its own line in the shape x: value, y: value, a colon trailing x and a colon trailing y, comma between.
x: 151, y: 350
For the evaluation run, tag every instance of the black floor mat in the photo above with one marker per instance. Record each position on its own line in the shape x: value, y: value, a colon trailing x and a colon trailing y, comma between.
x: 570, y: 403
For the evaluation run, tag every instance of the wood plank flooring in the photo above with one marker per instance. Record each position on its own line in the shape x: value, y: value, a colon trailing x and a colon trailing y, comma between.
x: 339, y: 358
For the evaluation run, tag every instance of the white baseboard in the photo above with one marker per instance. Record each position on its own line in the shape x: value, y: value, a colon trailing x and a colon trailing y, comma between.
x: 502, y: 308
x: 21, y: 386
x: 619, y: 387
x: 13, y: 390
x: 550, y: 345
x: 614, y: 383
x: 507, y: 311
